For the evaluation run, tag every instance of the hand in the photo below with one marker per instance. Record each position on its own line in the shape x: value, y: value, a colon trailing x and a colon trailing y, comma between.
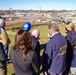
x: 45, y: 73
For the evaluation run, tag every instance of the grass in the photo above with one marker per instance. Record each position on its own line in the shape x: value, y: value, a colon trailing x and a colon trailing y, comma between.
x: 43, y: 39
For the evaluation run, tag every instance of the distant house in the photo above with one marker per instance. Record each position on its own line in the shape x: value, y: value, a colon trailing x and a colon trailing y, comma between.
x: 20, y: 14
x: 9, y: 18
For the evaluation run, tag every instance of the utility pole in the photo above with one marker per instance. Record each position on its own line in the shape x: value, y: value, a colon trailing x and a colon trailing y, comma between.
x: 10, y: 13
x: 40, y: 9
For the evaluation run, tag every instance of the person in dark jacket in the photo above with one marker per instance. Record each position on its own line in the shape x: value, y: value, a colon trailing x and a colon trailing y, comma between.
x: 3, y: 69
x: 71, y: 38
x: 23, y: 57
x: 4, y: 39
x: 35, y: 36
x: 54, y: 55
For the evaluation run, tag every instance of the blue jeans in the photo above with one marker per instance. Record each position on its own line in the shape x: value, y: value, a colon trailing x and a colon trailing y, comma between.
x: 6, y: 51
x: 73, y: 63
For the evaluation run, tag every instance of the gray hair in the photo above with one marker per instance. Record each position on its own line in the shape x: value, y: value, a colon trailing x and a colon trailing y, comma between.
x: 2, y: 21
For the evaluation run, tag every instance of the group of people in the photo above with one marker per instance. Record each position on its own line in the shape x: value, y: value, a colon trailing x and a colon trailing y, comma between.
x: 26, y: 46
x: 59, y: 55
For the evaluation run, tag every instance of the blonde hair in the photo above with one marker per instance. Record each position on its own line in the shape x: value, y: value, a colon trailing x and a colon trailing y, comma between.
x: 71, y: 25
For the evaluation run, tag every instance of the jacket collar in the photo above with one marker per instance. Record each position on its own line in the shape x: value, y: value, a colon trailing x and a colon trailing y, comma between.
x: 56, y: 35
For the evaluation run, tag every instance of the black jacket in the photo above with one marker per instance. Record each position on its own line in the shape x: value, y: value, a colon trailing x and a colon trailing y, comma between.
x: 36, y: 44
x: 2, y: 54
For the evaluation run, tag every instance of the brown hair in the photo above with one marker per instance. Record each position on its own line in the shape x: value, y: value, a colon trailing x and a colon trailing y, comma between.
x: 23, y: 38
x: 53, y: 26
x: 71, y: 25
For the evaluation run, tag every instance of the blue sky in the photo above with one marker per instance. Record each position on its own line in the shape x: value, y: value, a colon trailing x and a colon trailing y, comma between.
x: 38, y: 4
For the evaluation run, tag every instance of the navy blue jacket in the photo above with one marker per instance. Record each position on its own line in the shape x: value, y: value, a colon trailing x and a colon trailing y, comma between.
x: 54, y: 55
x: 36, y: 44
x: 2, y: 54
x: 71, y: 37
x: 28, y: 67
